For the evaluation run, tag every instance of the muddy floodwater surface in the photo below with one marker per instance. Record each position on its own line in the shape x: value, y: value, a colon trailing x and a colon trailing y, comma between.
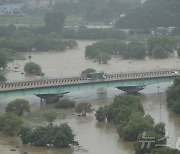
x: 93, y: 137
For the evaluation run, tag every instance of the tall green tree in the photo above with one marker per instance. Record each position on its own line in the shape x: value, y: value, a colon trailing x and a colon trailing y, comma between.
x: 84, y: 108
x: 2, y: 77
x: 50, y: 117
x: 3, y: 60
x: 54, y: 21
x: 18, y: 106
x: 161, y: 46
x: 135, y: 50
x: 10, y: 123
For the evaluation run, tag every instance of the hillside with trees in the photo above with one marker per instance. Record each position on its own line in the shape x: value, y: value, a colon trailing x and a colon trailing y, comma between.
x: 153, y: 13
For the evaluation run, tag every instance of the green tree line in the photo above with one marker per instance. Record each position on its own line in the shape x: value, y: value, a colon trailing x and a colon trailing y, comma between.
x: 153, y: 13
x: 128, y: 114
x: 156, y: 47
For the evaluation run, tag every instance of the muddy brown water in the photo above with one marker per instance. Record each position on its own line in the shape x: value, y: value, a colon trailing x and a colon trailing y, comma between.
x: 93, y: 137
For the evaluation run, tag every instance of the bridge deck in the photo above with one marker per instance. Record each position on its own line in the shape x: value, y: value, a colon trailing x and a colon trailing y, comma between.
x: 12, y: 86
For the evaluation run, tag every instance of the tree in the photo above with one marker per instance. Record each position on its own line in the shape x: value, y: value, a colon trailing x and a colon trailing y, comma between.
x: 165, y: 150
x: 120, y: 110
x: 19, y: 106
x: 88, y: 70
x: 2, y: 77
x: 56, y: 136
x: 32, y: 68
x: 10, y: 123
x: 54, y: 21
x: 135, y: 50
x: 173, y: 98
x: 50, y: 117
x: 151, y: 14
x: 3, y: 60
x: 136, y: 125
x: 161, y: 46
x: 84, y: 108
x: 65, y: 103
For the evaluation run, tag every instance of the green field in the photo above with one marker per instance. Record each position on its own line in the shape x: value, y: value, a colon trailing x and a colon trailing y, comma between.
x: 35, y: 21
x: 29, y: 20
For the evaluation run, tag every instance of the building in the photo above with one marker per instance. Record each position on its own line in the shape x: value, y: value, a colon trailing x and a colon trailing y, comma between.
x: 39, y: 2
x: 10, y: 8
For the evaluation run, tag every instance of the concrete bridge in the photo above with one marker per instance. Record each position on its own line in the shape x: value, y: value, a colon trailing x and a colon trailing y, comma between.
x: 54, y: 88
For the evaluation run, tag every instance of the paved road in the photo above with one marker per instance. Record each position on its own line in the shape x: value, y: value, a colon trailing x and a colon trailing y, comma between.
x: 76, y: 80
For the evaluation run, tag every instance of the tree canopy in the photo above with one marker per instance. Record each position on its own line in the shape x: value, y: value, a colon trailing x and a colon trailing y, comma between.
x: 10, y: 123
x: 54, y: 21
x: 128, y: 114
x: 173, y: 97
x: 153, y: 13
x: 50, y: 117
x: 18, y: 106
x: 161, y: 46
x: 84, y: 108
x: 2, y: 77
x: 65, y: 103
x: 56, y: 136
x: 32, y: 68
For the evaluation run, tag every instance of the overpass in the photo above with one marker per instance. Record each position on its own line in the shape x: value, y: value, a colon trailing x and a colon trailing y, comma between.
x: 55, y: 87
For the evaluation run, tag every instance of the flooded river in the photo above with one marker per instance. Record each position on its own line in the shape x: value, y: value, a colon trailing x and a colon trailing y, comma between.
x: 93, y: 137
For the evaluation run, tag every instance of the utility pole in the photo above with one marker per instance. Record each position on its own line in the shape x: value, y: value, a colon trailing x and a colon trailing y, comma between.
x: 159, y: 93
x: 177, y: 64
x: 101, y: 57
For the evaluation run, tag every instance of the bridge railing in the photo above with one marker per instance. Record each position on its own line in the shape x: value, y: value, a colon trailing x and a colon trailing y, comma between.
x: 144, y: 71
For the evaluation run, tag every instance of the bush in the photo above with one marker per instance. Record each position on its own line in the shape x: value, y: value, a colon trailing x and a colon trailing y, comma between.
x: 57, y: 136
x: 88, y: 70
x: 65, y: 103
x: 19, y: 106
x: 2, y: 77
x: 84, y: 108
x: 32, y: 68
x: 10, y: 123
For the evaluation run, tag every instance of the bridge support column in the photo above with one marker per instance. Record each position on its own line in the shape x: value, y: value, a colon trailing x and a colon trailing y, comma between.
x: 131, y: 89
x: 50, y: 98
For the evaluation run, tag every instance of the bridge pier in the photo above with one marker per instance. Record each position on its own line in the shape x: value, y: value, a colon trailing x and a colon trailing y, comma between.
x: 50, y: 98
x: 131, y: 89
